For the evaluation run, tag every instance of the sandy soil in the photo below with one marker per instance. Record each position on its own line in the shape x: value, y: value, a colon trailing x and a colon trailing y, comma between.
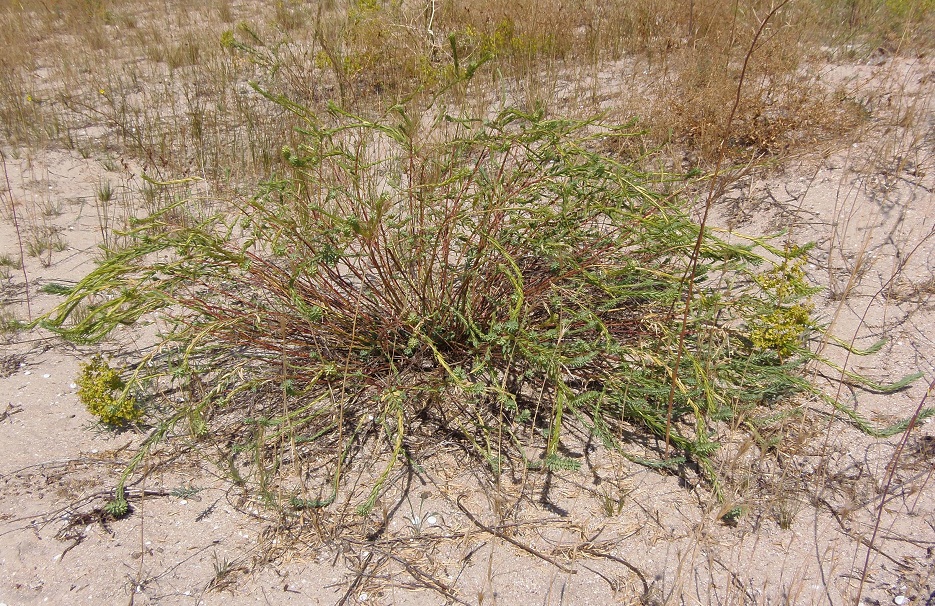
x: 613, y: 532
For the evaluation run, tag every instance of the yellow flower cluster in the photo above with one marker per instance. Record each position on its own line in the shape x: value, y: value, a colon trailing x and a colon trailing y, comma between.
x: 785, y: 326
x: 782, y: 330
x: 100, y: 389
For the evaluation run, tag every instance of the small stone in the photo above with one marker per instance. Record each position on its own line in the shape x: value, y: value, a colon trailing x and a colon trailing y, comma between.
x: 46, y: 376
x: 900, y: 600
x: 27, y: 372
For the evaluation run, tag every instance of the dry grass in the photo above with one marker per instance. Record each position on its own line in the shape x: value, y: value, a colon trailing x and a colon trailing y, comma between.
x: 171, y: 93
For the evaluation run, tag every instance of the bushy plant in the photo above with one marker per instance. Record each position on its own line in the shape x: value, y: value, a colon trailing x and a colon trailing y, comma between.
x: 489, y: 281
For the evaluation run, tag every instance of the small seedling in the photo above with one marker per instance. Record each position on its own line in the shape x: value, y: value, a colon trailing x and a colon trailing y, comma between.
x: 9, y: 325
x: 612, y: 501
x: 418, y: 520
x: 732, y: 515
x: 118, y: 507
x: 51, y: 209
x: 7, y: 265
x: 56, y: 288
x: 105, y: 192
x: 43, y: 241
x: 186, y: 492
x: 785, y: 511
x: 223, y: 571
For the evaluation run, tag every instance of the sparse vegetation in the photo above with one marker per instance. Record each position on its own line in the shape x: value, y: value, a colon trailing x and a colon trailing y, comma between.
x: 43, y: 241
x: 368, y: 230
x: 7, y: 265
x: 9, y: 324
x: 368, y: 54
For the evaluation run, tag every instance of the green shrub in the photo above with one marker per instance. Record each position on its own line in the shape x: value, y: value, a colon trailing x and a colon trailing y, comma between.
x: 103, y: 392
x: 488, y: 281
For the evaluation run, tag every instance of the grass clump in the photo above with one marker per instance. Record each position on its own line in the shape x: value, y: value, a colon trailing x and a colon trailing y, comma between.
x: 103, y: 392
x: 406, y: 280
x: 7, y: 264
